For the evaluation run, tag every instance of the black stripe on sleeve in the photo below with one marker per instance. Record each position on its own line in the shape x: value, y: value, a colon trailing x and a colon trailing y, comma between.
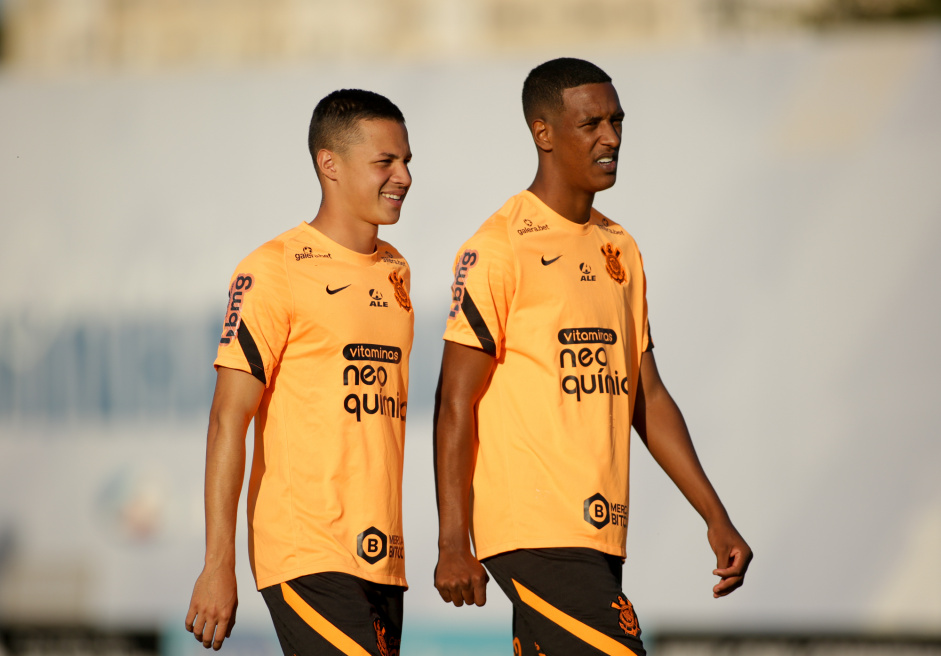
x: 251, y: 353
x: 477, y: 323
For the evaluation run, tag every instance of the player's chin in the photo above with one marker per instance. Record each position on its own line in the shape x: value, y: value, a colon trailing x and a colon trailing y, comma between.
x: 389, y: 216
x: 605, y: 181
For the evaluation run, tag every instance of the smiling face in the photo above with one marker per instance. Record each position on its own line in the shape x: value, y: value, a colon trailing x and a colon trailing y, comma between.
x: 586, y: 136
x: 372, y: 172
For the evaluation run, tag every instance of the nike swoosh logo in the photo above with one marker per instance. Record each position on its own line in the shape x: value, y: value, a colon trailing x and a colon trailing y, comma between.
x: 546, y: 262
x: 338, y: 289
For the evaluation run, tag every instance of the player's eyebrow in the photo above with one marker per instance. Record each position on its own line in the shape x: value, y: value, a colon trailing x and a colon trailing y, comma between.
x: 408, y: 156
x: 597, y: 118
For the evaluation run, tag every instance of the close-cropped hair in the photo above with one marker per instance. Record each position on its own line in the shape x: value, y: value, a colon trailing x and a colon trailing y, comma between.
x: 333, y: 125
x: 542, y: 90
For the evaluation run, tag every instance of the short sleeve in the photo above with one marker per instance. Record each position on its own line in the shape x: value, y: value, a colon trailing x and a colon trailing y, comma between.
x: 484, y: 282
x: 258, y: 316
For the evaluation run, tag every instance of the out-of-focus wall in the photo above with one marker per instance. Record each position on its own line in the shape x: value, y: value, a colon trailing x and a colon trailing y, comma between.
x: 56, y: 36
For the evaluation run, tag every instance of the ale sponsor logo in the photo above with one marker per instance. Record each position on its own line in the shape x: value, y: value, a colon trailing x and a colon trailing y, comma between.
x: 376, y: 299
x: 586, y: 272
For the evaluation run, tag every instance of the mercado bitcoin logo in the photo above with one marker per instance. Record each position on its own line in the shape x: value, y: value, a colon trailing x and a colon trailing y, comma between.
x: 596, y: 511
x: 371, y: 545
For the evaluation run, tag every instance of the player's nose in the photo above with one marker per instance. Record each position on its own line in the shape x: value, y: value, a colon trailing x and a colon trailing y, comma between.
x: 402, y: 176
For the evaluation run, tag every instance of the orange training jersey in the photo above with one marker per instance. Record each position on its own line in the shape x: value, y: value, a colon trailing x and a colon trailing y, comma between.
x: 562, y: 307
x: 329, y: 332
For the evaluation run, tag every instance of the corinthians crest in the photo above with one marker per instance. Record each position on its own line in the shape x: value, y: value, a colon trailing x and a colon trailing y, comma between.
x: 626, y: 617
x: 612, y: 257
x: 398, y: 284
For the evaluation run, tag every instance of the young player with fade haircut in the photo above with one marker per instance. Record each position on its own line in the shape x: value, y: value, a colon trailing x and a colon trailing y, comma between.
x: 315, y: 348
x: 547, y: 364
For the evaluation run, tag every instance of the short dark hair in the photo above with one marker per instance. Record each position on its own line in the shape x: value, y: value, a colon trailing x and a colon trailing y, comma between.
x: 334, y: 121
x: 542, y: 90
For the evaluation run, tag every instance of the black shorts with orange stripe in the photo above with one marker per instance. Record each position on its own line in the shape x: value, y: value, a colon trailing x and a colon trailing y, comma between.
x: 567, y: 602
x: 336, y: 614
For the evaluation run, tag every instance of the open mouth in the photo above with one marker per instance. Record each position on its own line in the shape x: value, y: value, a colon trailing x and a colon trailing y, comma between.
x: 608, y: 162
x: 394, y: 199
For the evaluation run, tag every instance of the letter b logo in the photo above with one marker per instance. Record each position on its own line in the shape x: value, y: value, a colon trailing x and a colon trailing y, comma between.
x: 597, y: 511
x: 371, y: 545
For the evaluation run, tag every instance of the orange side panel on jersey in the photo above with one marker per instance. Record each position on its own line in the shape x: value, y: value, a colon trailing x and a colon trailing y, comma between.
x: 318, y: 623
x: 579, y: 629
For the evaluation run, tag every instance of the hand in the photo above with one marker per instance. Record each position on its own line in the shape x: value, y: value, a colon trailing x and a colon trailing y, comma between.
x: 460, y: 579
x: 733, y: 555
x: 211, y: 614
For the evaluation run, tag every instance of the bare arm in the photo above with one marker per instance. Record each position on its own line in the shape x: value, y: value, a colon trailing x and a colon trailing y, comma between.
x: 465, y: 371
x: 212, y: 608
x: 661, y: 426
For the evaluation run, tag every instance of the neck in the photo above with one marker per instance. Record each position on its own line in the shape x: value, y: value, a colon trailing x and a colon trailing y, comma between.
x: 570, y: 203
x: 358, y: 236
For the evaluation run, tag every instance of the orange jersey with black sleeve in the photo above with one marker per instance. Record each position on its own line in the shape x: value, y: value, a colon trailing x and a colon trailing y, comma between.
x: 329, y: 332
x: 562, y: 308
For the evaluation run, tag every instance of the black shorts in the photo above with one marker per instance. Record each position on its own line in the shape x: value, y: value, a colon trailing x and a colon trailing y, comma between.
x: 567, y: 602
x: 334, y: 613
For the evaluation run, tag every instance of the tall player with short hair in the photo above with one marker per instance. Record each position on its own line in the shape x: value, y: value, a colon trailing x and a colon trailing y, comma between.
x: 547, y: 364
x: 315, y: 348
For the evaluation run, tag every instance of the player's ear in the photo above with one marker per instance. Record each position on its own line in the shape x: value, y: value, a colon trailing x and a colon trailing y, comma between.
x: 542, y: 134
x: 327, y: 163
